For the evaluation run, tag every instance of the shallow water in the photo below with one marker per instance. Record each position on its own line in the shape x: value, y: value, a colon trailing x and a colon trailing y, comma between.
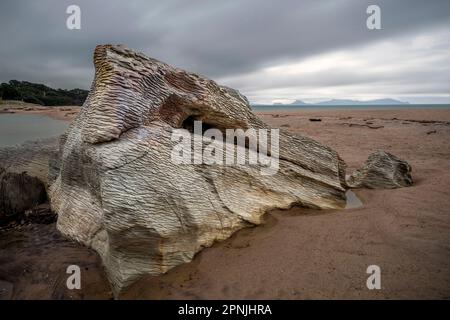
x: 353, y: 201
x: 18, y: 128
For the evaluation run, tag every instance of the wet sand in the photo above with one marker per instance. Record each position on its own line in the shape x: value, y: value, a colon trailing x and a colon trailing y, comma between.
x: 57, y: 112
x: 298, y: 253
x: 33, y: 263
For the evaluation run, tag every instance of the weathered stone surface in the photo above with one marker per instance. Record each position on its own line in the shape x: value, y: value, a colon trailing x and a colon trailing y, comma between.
x: 381, y: 170
x: 32, y: 157
x: 19, y: 192
x: 118, y: 191
x: 24, y: 171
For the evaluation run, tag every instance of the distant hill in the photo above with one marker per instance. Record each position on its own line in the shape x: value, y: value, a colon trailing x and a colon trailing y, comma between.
x: 346, y: 102
x: 298, y: 103
x: 41, y: 94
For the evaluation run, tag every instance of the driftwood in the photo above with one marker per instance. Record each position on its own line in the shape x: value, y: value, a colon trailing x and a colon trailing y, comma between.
x: 368, y: 125
x: 119, y: 192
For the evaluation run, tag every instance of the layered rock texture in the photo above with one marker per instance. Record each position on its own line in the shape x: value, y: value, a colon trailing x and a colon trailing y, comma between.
x: 119, y: 192
x: 381, y: 170
x: 18, y: 193
x: 33, y: 159
x: 24, y: 172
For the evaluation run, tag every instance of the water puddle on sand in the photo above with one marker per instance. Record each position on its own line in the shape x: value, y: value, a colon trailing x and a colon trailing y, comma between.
x: 353, y: 201
x: 18, y: 128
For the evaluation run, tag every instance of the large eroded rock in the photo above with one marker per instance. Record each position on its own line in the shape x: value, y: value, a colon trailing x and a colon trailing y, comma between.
x: 119, y: 192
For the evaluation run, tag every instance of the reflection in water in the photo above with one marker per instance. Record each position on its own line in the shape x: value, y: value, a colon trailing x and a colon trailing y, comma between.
x: 352, y: 200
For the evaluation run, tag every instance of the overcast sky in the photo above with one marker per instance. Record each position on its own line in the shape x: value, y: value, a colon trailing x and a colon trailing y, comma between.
x: 269, y: 50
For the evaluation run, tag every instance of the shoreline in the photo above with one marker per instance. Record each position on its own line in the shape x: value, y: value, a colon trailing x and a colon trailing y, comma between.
x: 66, y: 113
x: 270, y: 108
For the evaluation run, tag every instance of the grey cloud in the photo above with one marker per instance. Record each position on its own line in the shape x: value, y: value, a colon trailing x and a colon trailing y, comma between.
x: 217, y: 39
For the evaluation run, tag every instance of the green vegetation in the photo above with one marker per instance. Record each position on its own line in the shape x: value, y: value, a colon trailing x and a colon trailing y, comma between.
x: 41, y: 94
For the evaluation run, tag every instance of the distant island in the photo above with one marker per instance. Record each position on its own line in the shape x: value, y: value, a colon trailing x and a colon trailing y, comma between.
x: 41, y: 94
x: 348, y: 102
x: 298, y: 103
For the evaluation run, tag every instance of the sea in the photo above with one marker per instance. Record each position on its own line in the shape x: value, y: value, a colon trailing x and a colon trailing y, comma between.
x: 287, y: 107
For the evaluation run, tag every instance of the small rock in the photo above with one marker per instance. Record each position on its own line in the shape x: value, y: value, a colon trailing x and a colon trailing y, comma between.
x: 19, y: 192
x: 382, y: 170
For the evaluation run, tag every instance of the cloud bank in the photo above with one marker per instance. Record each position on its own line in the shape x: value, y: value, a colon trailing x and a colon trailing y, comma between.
x: 269, y: 50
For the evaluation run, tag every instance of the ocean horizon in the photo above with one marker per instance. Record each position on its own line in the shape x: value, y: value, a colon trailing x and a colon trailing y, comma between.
x: 287, y: 107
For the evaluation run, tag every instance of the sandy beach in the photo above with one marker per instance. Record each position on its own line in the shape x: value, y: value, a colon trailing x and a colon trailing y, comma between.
x: 57, y: 112
x: 306, y: 254
x: 297, y: 253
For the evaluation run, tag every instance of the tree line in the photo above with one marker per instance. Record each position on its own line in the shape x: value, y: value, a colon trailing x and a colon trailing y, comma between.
x: 41, y: 94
